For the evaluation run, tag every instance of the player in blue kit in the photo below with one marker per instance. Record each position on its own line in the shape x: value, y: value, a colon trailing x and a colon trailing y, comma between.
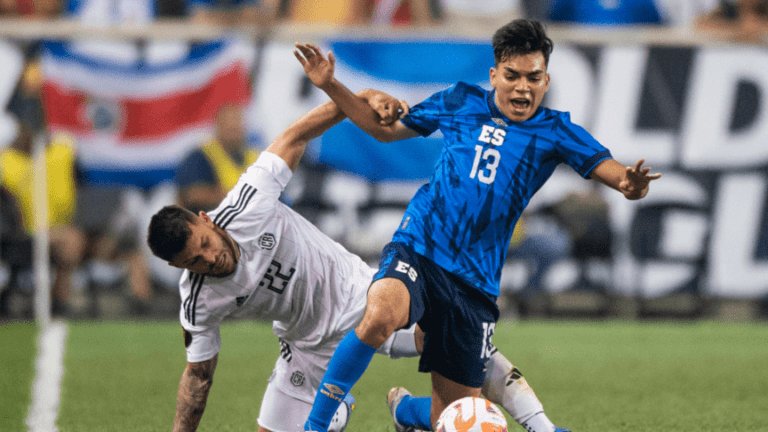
x: 443, y: 266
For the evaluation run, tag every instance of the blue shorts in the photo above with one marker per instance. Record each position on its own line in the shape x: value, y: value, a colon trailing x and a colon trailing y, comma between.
x: 457, y: 318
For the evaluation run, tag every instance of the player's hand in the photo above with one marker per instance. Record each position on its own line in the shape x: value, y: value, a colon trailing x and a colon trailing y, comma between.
x: 387, y: 107
x: 318, y: 69
x: 636, y: 181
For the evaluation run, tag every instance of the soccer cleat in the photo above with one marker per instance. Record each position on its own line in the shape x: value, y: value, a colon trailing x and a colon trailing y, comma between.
x: 394, y: 397
x: 559, y: 429
x: 341, y: 417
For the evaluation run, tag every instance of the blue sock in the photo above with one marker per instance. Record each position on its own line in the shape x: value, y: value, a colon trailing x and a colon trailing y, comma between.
x: 415, y: 412
x: 347, y: 365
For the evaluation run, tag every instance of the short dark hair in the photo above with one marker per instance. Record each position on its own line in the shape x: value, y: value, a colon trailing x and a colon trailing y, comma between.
x: 169, y: 231
x: 521, y: 37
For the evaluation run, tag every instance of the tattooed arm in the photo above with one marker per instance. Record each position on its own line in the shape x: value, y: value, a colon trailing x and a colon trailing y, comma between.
x: 195, y: 384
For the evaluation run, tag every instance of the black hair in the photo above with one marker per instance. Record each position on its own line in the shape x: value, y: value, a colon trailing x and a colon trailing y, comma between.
x: 169, y: 231
x: 521, y: 37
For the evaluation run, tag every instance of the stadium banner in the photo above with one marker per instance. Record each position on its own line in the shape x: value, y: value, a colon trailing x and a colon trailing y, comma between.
x: 134, y: 110
x: 695, y: 114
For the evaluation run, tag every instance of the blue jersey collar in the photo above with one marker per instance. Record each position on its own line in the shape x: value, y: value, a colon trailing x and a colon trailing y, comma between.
x: 498, y: 116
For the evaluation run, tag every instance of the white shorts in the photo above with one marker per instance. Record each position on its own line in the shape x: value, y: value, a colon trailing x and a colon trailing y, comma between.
x: 282, y: 413
x: 294, y: 382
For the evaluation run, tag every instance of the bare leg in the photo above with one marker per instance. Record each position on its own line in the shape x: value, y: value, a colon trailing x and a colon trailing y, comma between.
x: 444, y: 392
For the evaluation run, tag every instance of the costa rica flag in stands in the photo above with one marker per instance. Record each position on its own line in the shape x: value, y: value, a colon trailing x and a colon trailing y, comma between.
x: 135, y: 118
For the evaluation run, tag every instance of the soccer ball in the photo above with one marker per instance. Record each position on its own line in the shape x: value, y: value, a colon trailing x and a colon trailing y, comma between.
x: 472, y: 414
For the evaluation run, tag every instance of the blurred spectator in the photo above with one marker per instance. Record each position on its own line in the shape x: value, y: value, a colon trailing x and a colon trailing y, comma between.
x: 209, y: 172
x: 113, y: 248
x: 585, y: 216
x: 683, y: 13
x: 113, y: 12
x: 15, y: 247
x: 473, y: 16
x: 402, y: 13
x: 234, y: 12
x: 332, y: 12
x: 79, y: 229
x: 67, y: 242
x: 604, y: 12
x: 37, y: 9
x: 540, y: 242
x: 737, y: 20
x: 17, y: 171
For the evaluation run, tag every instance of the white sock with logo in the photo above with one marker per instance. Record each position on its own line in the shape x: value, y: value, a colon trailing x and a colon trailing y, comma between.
x: 505, y: 386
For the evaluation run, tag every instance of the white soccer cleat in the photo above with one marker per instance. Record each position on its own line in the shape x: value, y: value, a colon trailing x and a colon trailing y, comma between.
x: 394, y: 397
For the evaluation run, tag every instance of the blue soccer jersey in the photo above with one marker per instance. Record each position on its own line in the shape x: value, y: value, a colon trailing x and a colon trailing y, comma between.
x: 488, y: 170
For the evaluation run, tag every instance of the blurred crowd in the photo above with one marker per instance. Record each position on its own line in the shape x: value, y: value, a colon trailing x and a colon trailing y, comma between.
x: 96, y: 245
x: 742, y: 20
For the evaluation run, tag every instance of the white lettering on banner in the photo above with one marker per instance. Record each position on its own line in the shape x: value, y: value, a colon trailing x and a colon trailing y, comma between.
x: 707, y: 141
x: 674, y: 262
x: 620, y: 82
x: 572, y: 85
x: 737, y: 218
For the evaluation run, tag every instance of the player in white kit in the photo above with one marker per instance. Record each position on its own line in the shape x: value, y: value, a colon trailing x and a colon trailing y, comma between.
x: 254, y: 256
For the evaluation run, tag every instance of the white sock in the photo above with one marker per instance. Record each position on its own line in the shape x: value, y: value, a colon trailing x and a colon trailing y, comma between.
x: 505, y: 386
x: 400, y: 344
x: 538, y: 423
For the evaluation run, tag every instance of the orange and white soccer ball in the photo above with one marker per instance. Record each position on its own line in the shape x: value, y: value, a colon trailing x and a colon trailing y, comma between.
x: 472, y: 414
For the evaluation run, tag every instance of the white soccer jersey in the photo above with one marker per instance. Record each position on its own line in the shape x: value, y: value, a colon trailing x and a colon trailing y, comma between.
x: 289, y: 272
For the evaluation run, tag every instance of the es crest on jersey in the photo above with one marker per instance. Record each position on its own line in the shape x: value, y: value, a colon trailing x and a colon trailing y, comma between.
x: 499, y: 122
x: 492, y: 135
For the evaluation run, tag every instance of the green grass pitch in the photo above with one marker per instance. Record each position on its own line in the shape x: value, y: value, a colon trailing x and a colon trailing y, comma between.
x: 591, y: 376
x: 17, y: 368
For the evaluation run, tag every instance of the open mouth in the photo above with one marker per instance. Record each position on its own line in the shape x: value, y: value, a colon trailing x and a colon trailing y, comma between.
x: 520, y: 103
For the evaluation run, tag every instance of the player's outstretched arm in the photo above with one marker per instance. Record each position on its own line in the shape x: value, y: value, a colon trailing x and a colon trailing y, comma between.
x: 631, y: 181
x: 195, y: 384
x: 320, y: 71
x: 292, y: 142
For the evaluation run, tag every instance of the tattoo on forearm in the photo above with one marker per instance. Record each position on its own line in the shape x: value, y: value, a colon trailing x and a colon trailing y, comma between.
x: 195, y: 384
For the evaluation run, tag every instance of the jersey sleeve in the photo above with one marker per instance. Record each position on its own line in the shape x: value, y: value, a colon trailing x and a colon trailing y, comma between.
x: 577, y: 147
x: 253, y: 199
x: 424, y: 118
x: 201, y: 327
x: 270, y: 173
x: 202, y: 343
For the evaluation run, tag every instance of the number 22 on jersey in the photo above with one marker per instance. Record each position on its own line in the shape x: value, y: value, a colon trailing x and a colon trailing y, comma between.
x: 491, y: 156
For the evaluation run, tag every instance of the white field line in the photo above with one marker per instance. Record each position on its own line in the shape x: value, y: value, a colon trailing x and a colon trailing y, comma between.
x: 49, y: 368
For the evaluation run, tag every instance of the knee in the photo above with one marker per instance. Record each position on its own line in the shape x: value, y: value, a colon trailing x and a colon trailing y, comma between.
x: 387, y: 310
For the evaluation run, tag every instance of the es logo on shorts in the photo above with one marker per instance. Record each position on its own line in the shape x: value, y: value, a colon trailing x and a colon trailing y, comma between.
x: 407, y: 269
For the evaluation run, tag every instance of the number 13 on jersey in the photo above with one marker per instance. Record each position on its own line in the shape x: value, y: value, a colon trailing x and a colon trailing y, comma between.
x: 491, y: 156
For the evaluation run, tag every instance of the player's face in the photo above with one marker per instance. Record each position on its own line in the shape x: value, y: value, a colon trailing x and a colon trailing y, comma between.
x: 520, y: 82
x: 210, y: 251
